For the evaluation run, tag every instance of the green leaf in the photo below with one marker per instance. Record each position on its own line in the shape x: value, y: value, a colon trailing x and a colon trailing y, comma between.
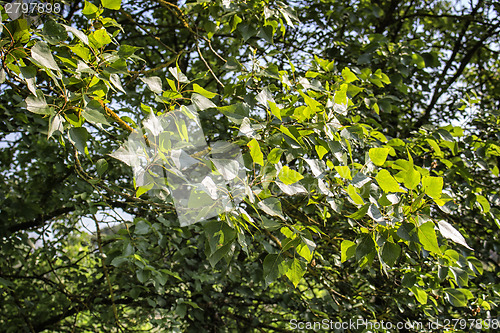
x: 271, y: 206
x: 266, y: 32
x: 203, y: 92
x: 235, y: 112
x: 407, y: 231
x: 173, y: 274
x: 92, y: 113
x: 78, y: 34
x: 387, y: 183
x: 143, y: 189
x: 287, y: 132
x: 448, y: 231
x: 54, y: 32
x: 235, y: 21
x: 55, y: 124
x: 100, y: 38
x: 101, y: 166
x: 141, y: 227
x: 313, y: 104
x: 178, y: 74
x: 78, y: 137
x: 326, y: 65
x: 409, y: 280
x: 220, y: 253
x: 461, y: 276
x: 419, y: 294
x: 390, y: 253
x: 274, y: 156
x: 360, y: 212
x: 275, y: 110
x: 435, y: 147
x: 485, y: 205
x: 348, y: 75
x: 295, y: 271
x: 118, y: 261
x: 201, y: 102
x: 418, y: 60
x: 341, y: 95
x: 89, y: 9
x: 365, y: 247
x: 269, y: 224
x: 289, y: 176
x: 457, y: 297
x: 475, y: 265
x: 154, y: 83
x: 347, y: 250
x: 161, y: 278
x: 40, y: 52
x: 306, y: 249
x: 271, y: 267
x: 351, y: 190
x: 112, y: 4
x: 427, y: 237
x: 247, y: 31
x: 433, y: 186
x: 484, y: 304
x: 115, y: 81
x: 344, y: 171
x: 142, y: 275
x: 81, y: 51
x: 321, y: 151
x: 378, y: 155
x: 412, y: 178
x: 37, y: 104
x: 255, y: 152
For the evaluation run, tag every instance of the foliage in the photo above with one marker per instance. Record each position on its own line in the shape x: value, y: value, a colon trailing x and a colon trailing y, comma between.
x: 369, y: 132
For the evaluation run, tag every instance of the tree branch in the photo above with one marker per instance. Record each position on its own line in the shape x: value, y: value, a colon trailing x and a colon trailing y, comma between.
x: 438, y: 91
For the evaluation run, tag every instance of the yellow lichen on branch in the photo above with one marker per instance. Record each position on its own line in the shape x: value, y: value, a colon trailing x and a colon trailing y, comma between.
x: 115, y: 117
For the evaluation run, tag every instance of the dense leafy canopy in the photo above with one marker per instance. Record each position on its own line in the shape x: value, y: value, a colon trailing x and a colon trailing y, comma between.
x: 370, y: 137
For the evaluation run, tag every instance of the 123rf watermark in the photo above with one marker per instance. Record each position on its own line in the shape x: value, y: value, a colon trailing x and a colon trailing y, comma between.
x: 363, y: 324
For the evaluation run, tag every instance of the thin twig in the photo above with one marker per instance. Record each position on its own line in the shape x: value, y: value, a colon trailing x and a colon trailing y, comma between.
x: 211, y: 48
x: 208, y: 66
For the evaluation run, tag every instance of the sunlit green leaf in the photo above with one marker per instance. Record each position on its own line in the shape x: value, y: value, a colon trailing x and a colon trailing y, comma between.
x: 111, y: 4
x: 348, y: 250
x: 343, y: 171
x: 427, y: 237
x: 348, y: 75
x: 255, y: 152
x: 202, y: 91
x: 295, y: 271
x: 378, y: 155
x: 274, y: 156
x: 289, y: 176
x: 419, y: 294
x: 433, y: 186
x: 387, y: 182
